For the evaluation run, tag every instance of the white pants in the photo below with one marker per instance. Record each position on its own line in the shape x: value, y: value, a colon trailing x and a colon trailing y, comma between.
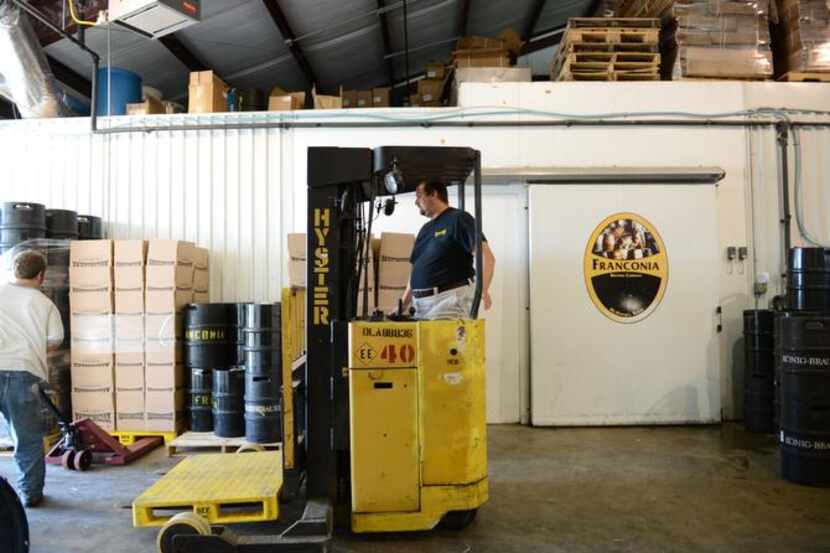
x: 449, y: 305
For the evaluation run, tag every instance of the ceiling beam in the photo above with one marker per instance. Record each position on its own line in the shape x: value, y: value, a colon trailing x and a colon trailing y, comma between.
x: 387, y: 45
x: 535, y: 13
x: 463, y: 17
x: 182, y: 53
x: 277, y: 15
x: 69, y: 77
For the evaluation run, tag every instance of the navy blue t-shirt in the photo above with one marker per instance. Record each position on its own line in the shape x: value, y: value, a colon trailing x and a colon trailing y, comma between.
x: 444, y: 250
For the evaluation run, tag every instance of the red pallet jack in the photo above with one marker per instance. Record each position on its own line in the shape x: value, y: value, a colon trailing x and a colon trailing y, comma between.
x: 83, y: 442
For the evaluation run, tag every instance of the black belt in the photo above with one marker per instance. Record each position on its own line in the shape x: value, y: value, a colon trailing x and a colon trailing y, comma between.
x: 427, y: 292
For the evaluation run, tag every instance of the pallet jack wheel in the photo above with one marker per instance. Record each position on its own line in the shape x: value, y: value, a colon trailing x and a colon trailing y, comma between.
x: 67, y: 459
x: 183, y: 524
x: 458, y: 520
x: 82, y: 460
x: 250, y: 447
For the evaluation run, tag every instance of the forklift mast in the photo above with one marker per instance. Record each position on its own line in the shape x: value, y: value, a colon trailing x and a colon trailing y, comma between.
x: 343, y: 186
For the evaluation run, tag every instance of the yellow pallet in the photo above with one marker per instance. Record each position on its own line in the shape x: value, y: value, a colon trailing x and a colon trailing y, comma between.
x: 129, y: 438
x: 222, y: 488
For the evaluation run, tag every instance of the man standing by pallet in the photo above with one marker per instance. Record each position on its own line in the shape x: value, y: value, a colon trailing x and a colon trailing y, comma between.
x: 30, y: 325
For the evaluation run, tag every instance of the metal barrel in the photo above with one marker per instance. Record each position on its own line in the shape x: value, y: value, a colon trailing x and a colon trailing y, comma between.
x: 262, y: 337
x: 228, y: 403
x: 61, y: 224
x: 759, y: 370
x: 262, y: 409
x: 805, y: 397
x: 199, y: 409
x: 210, y: 335
x: 21, y: 221
x: 90, y: 227
x: 240, y: 336
x: 808, y: 279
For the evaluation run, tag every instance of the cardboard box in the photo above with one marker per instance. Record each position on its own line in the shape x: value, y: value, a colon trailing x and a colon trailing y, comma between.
x: 163, y: 377
x: 91, y: 326
x: 326, y: 102
x: 415, y: 100
x: 467, y: 60
x: 87, y: 253
x: 129, y: 259
x: 129, y: 372
x: 91, y: 279
x: 436, y: 71
x: 92, y: 372
x: 388, y: 298
x: 364, y: 99
x: 169, y: 264
x: 349, y: 99
x: 164, y: 411
x: 92, y: 346
x: 286, y: 101
x: 430, y: 91
x: 297, y: 260
x: 96, y: 406
x: 129, y: 303
x: 166, y: 300
x: 201, y: 297
x: 394, y: 267
x: 382, y: 97
x: 201, y: 271
x: 150, y: 106
x: 206, y: 93
x: 129, y: 333
x: 129, y: 411
x: 479, y: 42
x: 91, y: 301
x: 163, y: 327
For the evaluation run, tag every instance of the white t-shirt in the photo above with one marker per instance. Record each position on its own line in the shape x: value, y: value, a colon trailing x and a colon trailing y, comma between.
x: 29, y: 322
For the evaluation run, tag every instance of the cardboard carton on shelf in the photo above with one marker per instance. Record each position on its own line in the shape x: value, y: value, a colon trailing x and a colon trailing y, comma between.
x: 206, y: 93
x: 282, y: 100
x: 364, y: 99
x: 322, y: 101
x: 381, y: 97
x: 150, y: 106
x: 349, y: 98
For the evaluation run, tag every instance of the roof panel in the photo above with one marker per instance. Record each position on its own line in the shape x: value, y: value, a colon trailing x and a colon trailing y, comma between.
x: 556, y: 13
x: 327, y: 19
x: 432, y: 28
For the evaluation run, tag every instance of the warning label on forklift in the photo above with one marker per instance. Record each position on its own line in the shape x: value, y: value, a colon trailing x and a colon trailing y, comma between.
x: 626, y: 268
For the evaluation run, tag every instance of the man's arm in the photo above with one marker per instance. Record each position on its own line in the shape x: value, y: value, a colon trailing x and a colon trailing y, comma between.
x: 54, y: 331
x: 488, y: 271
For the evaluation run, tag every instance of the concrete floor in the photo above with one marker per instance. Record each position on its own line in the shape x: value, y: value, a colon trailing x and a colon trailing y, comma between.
x: 569, y: 490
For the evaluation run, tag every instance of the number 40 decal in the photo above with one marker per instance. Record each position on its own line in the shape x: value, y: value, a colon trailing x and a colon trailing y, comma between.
x: 404, y: 353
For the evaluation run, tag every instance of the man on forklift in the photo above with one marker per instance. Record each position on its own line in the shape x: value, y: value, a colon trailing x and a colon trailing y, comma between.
x: 442, y: 284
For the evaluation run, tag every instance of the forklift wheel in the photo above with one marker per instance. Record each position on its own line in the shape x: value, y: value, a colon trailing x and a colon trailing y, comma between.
x: 67, y: 458
x: 458, y: 520
x: 250, y: 447
x: 82, y: 460
x: 183, y: 524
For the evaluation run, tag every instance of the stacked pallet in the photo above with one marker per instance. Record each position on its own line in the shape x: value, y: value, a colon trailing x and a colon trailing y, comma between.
x: 722, y: 39
x: 609, y: 49
x: 802, y: 44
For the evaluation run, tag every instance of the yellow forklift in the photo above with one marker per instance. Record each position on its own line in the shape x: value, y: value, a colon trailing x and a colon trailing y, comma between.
x: 391, y: 432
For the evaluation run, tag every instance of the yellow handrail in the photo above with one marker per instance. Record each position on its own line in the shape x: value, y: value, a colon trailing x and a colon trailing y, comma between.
x: 75, y: 16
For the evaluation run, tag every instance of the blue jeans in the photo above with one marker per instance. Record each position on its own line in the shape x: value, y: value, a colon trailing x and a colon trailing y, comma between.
x: 20, y: 405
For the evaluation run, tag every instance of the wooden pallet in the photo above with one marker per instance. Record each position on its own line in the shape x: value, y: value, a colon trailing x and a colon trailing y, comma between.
x: 579, y: 47
x: 208, y: 442
x: 609, y: 76
x: 805, y: 77
x: 623, y: 22
x: 611, y: 35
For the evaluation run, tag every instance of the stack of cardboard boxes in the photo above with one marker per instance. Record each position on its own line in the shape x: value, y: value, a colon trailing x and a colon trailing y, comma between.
x: 126, y: 299
x: 388, y: 269
x: 722, y: 39
x: 431, y: 87
x: 91, y: 304
x: 206, y: 93
x: 802, y: 41
x: 375, y: 98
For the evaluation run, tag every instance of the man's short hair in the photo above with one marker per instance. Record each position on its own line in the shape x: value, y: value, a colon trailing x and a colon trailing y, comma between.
x: 437, y: 188
x: 29, y: 264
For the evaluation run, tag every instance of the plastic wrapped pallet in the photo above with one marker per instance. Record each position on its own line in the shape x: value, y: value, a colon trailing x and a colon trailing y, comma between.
x: 803, y: 39
x: 722, y: 39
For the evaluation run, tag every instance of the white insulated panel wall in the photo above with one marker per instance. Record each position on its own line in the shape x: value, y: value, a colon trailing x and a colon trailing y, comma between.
x: 239, y: 192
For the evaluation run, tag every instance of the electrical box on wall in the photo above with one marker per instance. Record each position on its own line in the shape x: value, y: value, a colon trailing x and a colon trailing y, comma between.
x: 156, y: 17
